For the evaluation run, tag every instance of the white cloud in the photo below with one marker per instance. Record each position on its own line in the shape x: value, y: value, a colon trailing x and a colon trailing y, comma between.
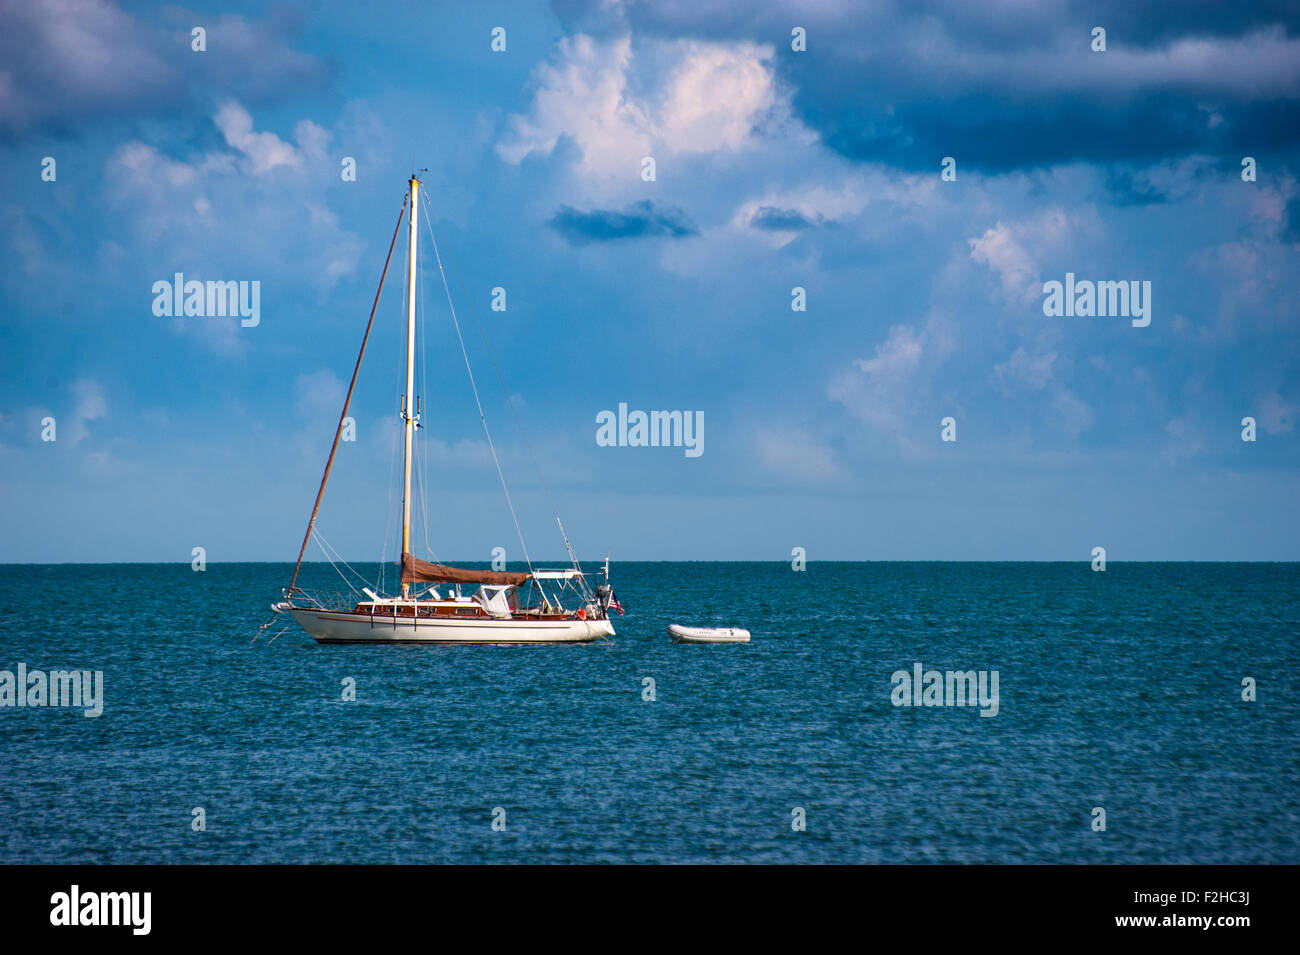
x: 1005, y: 250
x: 712, y: 98
x: 265, y: 151
x: 1035, y: 371
x: 716, y: 96
x: 1076, y: 416
x: 1184, y: 440
x: 835, y: 198
x: 225, y: 212
x: 91, y: 405
x: 1276, y: 415
x: 584, y: 97
x: 796, y: 455
x: 319, y: 394
x: 896, y: 359
x: 885, y: 391
x: 1242, y: 264
x: 139, y: 166
x: 999, y: 250
x: 344, y: 252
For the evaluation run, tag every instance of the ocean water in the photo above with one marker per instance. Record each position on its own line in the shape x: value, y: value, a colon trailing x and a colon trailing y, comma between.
x: 1120, y: 690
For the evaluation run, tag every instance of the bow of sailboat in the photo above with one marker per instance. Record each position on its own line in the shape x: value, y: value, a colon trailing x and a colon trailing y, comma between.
x: 438, y: 603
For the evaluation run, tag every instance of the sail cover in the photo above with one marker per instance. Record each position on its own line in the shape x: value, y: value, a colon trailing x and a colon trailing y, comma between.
x: 414, y: 569
x: 494, y: 600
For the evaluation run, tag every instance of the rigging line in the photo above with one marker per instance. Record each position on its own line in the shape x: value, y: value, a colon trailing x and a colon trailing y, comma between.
x: 422, y: 461
x: 392, y: 458
x: 338, y: 432
x: 321, y: 542
x: 451, y: 256
x: 398, y: 384
x: 482, y: 417
x: 421, y: 449
x: 388, y: 510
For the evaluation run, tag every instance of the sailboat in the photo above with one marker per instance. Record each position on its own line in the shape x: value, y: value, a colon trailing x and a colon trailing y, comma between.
x: 437, y: 603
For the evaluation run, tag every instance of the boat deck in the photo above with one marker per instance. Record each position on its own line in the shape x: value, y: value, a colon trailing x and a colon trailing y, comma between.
x: 469, y: 611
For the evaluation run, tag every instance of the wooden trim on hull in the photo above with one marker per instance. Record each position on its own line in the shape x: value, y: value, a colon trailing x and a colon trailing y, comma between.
x: 326, y: 626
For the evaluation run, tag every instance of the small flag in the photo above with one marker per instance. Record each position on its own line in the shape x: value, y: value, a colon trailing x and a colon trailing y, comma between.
x: 613, y: 602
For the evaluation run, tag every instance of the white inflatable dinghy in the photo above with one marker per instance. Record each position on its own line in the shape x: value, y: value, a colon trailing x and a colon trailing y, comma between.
x: 708, y: 634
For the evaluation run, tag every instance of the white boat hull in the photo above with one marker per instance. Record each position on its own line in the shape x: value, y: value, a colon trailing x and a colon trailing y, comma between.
x: 708, y: 634
x: 333, y: 626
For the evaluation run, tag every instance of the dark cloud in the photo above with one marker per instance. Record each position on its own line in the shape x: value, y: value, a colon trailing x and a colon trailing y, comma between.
x: 782, y: 220
x: 65, y: 64
x: 986, y: 132
x: 1159, y: 21
x: 1005, y: 25
x: 1291, y: 221
x: 636, y: 221
x: 1010, y: 85
x: 1127, y: 187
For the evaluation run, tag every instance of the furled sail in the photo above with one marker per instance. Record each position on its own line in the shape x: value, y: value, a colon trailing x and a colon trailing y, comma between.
x: 414, y: 569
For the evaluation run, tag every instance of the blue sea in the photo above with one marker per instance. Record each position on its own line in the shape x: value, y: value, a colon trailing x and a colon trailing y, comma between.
x: 1119, y: 690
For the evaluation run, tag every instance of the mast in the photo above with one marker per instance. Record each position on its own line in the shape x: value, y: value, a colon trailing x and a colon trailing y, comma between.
x: 408, y: 402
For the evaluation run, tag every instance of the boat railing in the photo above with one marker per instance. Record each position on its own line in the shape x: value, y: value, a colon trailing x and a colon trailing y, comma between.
x: 327, y: 599
x: 346, y: 601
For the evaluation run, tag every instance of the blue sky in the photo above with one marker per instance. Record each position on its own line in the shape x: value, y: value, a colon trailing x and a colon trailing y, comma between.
x: 775, y: 169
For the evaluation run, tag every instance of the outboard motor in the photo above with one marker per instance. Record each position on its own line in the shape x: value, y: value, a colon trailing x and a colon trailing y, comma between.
x: 603, y: 593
